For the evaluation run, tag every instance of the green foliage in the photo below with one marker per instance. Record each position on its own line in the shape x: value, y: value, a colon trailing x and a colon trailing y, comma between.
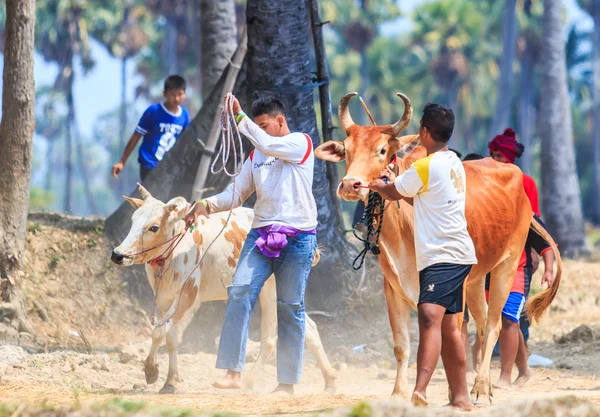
x: 361, y: 410
x: 40, y: 199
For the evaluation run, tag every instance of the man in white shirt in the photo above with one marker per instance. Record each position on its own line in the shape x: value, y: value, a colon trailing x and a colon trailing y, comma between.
x: 444, y: 250
x: 282, y: 240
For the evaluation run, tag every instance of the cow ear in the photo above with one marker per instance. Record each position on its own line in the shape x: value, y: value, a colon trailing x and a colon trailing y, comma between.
x: 135, y: 202
x: 332, y: 151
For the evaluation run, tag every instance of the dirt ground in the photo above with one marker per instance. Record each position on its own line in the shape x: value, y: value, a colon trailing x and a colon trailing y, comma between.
x: 89, y: 340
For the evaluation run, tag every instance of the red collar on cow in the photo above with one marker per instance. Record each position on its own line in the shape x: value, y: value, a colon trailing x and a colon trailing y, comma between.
x: 394, y: 159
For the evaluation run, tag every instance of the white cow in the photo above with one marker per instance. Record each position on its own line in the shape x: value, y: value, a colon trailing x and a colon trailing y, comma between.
x: 180, y: 294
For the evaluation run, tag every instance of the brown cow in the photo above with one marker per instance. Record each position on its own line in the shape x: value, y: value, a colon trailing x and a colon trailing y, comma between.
x: 498, y: 214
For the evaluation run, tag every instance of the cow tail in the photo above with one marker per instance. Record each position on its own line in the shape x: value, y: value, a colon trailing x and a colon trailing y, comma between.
x: 539, y: 303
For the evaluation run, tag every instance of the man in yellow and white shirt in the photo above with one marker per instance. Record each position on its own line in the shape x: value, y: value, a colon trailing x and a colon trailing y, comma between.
x: 444, y: 250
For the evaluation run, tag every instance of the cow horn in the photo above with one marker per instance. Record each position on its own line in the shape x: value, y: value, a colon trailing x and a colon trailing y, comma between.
x: 401, y: 124
x: 344, y: 114
x: 143, y: 192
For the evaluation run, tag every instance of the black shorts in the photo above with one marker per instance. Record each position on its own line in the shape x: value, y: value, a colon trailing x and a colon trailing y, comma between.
x: 442, y: 284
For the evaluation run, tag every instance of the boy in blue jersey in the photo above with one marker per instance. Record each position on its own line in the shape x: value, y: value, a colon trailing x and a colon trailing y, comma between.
x: 160, y: 126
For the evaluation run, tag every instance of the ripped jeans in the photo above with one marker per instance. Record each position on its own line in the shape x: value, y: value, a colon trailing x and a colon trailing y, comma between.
x: 291, y: 271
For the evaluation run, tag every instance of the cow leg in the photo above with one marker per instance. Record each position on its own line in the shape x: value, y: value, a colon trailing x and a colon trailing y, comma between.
x: 500, y: 285
x: 475, y: 299
x: 268, y: 331
x: 399, y: 315
x: 313, y: 341
x: 150, y: 365
x: 172, y: 375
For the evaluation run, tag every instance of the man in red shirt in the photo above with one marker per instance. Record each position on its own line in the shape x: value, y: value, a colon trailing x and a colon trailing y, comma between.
x: 505, y: 148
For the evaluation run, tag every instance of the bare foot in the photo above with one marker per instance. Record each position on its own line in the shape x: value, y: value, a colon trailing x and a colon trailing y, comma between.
x: 502, y: 383
x: 419, y: 400
x: 232, y: 380
x: 466, y: 405
x: 284, y: 390
x: 523, y: 378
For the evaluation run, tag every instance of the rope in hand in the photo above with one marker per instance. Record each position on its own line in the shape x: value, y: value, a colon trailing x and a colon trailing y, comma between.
x: 231, y: 142
x: 371, y: 241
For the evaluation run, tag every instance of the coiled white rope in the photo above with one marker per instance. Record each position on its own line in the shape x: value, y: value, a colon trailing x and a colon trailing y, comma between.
x: 230, y: 134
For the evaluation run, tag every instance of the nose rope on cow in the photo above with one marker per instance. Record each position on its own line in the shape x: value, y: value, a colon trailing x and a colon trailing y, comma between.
x: 230, y: 134
x: 368, y: 218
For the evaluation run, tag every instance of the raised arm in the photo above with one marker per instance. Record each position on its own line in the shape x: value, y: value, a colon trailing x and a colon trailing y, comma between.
x: 295, y: 147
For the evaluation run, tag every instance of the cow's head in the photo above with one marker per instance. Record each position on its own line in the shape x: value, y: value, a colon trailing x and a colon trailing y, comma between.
x: 152, y: 223
x: 367, y: 149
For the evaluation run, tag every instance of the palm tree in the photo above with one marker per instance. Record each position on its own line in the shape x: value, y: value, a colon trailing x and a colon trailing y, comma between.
x: 530, y: 41
x: 218, y: 31
x: 62, y: 34
x: 457, y: 40
x: 16, y: 134
x: 289, y: 77
x: 560, y: 184
x: 501, y: 118
x: 357, y: 25
x: 123, y: 28
x: 593, y: 8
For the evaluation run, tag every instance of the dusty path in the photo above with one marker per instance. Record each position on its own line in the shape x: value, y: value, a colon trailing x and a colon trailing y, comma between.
x: 63, y: 378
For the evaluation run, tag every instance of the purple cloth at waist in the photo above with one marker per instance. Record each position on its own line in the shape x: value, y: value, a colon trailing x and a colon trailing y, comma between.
x: 273, y: 238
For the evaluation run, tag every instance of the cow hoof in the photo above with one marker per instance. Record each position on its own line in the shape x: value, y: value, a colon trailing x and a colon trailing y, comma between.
x: 330, y: 388
x: 482, y: 391
x: 151, y: 373
x: 167, y: 389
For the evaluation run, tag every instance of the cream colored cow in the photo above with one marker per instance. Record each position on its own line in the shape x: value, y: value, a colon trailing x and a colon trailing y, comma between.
x: 180, y: 294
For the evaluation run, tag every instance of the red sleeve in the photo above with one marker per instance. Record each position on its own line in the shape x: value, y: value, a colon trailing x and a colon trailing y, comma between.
x: 532, y: 193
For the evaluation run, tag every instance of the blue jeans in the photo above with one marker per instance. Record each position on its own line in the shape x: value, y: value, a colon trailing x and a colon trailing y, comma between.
x: 291, y: 271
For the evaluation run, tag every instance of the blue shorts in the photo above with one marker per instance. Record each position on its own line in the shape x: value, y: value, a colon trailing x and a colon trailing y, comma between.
x: 514, y: 306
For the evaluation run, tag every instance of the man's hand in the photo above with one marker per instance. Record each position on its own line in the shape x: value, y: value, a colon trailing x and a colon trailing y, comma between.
x: 548, y: 278
x: 199, y: 209
x: 117, y: 168
x: 236, y: 104
x: 388, y: 172
x: 387, y: 191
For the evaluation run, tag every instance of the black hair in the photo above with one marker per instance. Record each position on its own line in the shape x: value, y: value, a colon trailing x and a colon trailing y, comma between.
x: 268, y: 105
x: 473, y: 157
x: 456, y: 152
x: 175, y: 82
x: 439, y: 121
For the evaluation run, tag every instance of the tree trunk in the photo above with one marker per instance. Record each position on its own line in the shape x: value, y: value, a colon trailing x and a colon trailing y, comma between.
x: 218, y: 32
x: 170, y: 49
x: 50, y: 161
x: 596, y: 112
x: 122, y: 180
x: 68, y: 199
x: 81, y: 161
x: 16, y: 134
x: 325, y: 100
x: 527, y: 116
x: 289, y: 78
x: 560, y: 184
x: 501, y: 118
x: 215, y: 133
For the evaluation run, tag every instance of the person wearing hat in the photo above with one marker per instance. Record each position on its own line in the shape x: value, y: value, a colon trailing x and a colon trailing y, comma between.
x: 513, y: 349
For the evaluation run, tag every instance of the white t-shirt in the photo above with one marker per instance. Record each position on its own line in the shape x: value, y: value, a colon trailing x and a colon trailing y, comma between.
x: 280, y: 170
x: 438, y: 185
